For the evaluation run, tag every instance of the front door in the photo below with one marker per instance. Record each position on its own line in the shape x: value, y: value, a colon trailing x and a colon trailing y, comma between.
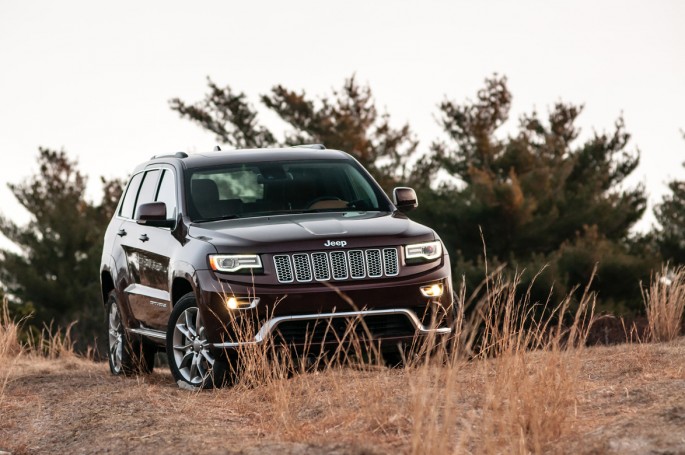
x: 147, y: 251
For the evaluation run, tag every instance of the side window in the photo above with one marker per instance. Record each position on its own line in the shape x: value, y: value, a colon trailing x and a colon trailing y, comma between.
x: 167, y: 193
x: 148, y: 189
x: 130, y: 197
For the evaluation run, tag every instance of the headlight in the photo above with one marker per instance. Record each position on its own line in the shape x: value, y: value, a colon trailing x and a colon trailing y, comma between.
x: 423, y: 252
x: 234, y: 262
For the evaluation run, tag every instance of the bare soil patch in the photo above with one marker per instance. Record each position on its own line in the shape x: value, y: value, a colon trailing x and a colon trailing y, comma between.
x: 628, y: 399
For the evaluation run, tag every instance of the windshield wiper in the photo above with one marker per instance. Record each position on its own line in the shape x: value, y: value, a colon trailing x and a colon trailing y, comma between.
x: 216, y: 218
x: 340, y: 209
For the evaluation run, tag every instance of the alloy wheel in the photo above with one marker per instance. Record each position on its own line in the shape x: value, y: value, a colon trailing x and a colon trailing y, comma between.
x: 191, y: 348
x: 116, y: 337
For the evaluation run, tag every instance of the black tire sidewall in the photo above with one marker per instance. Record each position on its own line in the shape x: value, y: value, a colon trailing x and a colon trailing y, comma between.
x: 137, y: 356
x: 111, y: 300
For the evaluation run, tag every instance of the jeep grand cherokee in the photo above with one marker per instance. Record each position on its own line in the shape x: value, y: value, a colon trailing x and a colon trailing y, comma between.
x: 292, y: 242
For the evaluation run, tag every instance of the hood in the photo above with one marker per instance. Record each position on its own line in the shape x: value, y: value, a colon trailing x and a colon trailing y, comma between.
x: 312, y: 231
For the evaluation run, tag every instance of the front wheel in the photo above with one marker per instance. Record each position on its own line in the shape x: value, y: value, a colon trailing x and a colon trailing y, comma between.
x: 190, y: 359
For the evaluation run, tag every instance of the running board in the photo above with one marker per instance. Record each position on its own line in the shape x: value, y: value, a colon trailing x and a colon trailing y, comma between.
x: 149, y: 333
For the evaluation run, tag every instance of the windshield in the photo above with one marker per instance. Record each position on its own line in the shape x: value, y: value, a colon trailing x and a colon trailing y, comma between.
x: 272, y: 188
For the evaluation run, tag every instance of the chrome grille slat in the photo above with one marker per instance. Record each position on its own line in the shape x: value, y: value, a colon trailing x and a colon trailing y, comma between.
x: 390, y: 262
x: 357, y: 268
x: 336, y: 265
x: 284, y: 270
x: 322, y: 271
x: 374, y: 268
x: 339, y: 265
x: 303, y: 271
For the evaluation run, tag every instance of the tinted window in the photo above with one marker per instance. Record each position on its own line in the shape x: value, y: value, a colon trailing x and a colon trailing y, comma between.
x: 258, y: 189
x: 148, y: 190
x: 129, y: 202
x: 167, y: 193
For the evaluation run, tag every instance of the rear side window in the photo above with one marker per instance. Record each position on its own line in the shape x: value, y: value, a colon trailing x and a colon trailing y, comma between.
x: 129, y: 201
x: 148, y: 190
x: 167, y: 193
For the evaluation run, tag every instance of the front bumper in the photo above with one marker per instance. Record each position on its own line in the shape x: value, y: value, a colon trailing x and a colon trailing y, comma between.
x: 270, y: 326
x: 383, y: 310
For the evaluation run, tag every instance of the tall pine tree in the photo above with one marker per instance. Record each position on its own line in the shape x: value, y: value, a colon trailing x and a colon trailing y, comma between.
x: 538, y: 196
x: 670, y: 214
x: 346, y: 120
x: 55, y: 272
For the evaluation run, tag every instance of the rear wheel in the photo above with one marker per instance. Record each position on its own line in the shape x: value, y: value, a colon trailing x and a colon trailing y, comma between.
x: 190, y: 358
x: 395, y: 357
x: 127, y: 356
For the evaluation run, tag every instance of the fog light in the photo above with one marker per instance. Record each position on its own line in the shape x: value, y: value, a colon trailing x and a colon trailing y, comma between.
x: 232, y: 303
x: 432, y: 290
x: 241, y: 303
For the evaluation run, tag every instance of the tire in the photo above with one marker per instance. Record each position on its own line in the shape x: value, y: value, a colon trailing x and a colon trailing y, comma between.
x: 127, y: 355
x: 191, y: 361
x: 395, y: 357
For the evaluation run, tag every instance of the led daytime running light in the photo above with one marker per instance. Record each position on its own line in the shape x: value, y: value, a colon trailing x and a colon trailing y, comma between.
x: 234, y: 262
x: 428, y: 250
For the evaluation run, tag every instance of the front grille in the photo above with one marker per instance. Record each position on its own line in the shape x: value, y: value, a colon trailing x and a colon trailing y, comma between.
x: 336, y: 265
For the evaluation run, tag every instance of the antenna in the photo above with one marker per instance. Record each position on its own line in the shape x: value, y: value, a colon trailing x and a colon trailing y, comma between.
x: 217, y: 148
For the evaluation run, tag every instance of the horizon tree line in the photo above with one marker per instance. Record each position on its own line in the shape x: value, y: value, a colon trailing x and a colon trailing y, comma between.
x: 539, y: 200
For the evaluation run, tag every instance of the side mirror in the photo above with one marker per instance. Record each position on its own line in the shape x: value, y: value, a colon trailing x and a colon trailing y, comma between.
x: 405, y: 199
x: 153, y: 214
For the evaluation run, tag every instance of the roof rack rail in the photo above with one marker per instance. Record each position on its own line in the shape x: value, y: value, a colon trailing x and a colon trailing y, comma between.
x: 173, y: 155
x: 310, y: 146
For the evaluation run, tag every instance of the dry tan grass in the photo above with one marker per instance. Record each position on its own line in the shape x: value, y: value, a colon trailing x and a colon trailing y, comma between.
x: 527, y: 367
x: 665, y: 304
x: 10, y: 347
x: 523, y: 384
x: 49, y: 345
x: 628, y: 399
x: 526, y: 361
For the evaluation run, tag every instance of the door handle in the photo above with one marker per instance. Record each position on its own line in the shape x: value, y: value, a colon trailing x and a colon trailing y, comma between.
x: 144, y: 238
x: 121, y: 233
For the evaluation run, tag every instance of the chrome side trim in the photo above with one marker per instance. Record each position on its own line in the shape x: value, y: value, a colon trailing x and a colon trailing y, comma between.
x: 270, y: 325
x: 147, y: 291
x: 149, y: 333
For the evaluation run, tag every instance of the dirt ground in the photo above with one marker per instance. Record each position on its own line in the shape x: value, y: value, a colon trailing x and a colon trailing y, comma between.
x: 630, y: 400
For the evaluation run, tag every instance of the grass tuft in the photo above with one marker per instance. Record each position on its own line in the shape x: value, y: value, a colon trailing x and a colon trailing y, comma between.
x: 10, y: 347
x: 665, y: 304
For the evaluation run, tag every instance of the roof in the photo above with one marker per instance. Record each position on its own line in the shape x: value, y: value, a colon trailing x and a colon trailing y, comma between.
x: 254, y: 156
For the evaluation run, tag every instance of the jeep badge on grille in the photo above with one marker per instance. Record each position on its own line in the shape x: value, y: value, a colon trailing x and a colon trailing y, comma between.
x: 340, y: 243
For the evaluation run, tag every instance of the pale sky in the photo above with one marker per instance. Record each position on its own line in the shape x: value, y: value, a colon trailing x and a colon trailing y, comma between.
x: 95, y: 78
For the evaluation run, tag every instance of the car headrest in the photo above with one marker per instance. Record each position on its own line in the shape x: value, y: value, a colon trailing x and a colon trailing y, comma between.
x: 204, y: 191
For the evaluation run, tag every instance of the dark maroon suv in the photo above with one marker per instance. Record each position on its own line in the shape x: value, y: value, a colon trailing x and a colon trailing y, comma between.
x: 288, y: 244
